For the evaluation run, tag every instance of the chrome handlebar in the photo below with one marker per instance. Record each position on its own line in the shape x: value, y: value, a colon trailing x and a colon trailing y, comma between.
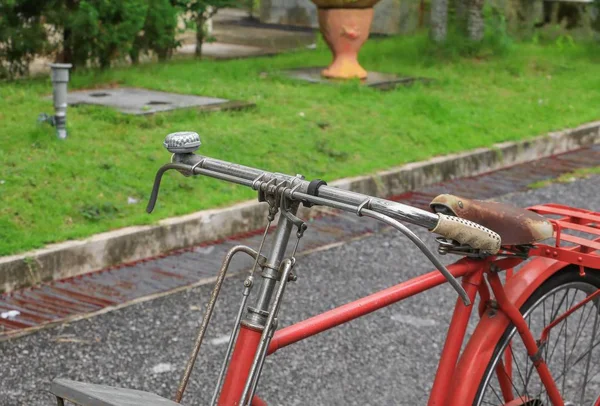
x: 295, y: 188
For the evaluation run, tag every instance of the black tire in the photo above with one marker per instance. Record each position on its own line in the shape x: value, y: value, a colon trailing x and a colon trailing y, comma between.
x: 567, y: 280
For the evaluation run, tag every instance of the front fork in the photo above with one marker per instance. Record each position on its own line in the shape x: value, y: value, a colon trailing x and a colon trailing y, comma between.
x: 240, y: 365
x: 259, y: 324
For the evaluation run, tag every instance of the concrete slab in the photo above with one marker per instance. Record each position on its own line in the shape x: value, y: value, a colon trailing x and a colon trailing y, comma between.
x: 377, y: 80
x: 142, y: 101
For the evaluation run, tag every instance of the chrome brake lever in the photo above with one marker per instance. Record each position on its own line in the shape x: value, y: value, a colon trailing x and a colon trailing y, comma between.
x: 419, y: 243
x: 185, y: 142
x: 158, y: 178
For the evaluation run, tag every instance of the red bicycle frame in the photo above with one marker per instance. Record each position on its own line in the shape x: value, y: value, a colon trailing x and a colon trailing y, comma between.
x: 454, y: 381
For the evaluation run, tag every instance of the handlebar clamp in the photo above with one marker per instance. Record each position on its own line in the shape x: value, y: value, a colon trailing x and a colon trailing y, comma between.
x: 313, y: 190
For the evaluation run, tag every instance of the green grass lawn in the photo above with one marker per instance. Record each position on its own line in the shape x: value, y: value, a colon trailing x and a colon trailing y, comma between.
x: 52, y: 190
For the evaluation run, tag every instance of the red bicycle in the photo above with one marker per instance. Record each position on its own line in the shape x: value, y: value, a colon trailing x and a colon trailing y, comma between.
x: 537, y: 337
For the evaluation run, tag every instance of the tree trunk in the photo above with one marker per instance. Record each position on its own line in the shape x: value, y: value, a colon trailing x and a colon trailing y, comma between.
x: 421, y: 13
x: 439, y: 20
x: 250, y: 7
x: 200, y: 21
x: 526, y: 16
x: 134, y: 52
x: 461, y: 8
x: 595, y: 19
x: 66, y: 56
x: 162, y: 54
x: 476, y: 25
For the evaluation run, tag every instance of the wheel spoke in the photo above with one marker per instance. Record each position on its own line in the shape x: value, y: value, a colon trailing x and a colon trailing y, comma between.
x: 517, y: 391
x: 591, y: 378
x: 565, y: 322
x: 529, y: 372
x: 520, y: 375
x: 578, y: 335
x: 562, y: 326
x: 497, y: 396
x: 587, y: 364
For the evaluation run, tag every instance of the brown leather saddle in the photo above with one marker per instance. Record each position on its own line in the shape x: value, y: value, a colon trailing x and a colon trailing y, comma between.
x: 515, y: 226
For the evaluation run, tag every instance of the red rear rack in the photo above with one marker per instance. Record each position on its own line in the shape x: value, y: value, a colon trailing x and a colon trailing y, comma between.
x: 583, y: 248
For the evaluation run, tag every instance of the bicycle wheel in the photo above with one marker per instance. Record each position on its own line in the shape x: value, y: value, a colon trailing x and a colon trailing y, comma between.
x: 572, y: 351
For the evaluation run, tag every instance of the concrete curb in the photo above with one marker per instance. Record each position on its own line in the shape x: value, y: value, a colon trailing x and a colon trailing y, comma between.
x: 108, y: 249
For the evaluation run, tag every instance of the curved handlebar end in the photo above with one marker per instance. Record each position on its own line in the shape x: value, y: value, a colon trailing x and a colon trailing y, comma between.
x: 158, y: 178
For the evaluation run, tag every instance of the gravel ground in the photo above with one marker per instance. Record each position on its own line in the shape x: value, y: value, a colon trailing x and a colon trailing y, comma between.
x: 382, y: 359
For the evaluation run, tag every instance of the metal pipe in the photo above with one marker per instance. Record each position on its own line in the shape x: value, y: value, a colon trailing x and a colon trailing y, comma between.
x: 60, y: 80
x: 454, y: 340
x: 261, y: 363
x: 280, y: 242
x: 252, y: 380
x: 232, y: 340
x: 248, y: 283
x: 256, y: 316
x: 186, y: 169
x: 59, y: 73
x: 241, y: 362
x: 396, y: 210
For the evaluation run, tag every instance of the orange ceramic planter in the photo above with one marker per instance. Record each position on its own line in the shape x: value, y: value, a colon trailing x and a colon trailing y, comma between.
x: 345, y: 28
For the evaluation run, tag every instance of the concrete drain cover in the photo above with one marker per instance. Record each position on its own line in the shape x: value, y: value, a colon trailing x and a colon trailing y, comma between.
x: 142, y: 101
x: 377, y: 80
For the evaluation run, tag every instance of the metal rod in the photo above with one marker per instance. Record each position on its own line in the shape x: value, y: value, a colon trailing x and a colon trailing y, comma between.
x: 383, y: 205
x: 156, y: 187
x: 286, y: 265
x: 280, y: 242
x: 324, y: 202
x: 454, y: 340
x: 232, y: 340
x: 256, y: 316
x: 271, y: 331
x: 330, y: 194
x: 206, y: 319
x: 236, y: 327
x: 261, y: 361
x: 189, y: 169
x: 417, y: 241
